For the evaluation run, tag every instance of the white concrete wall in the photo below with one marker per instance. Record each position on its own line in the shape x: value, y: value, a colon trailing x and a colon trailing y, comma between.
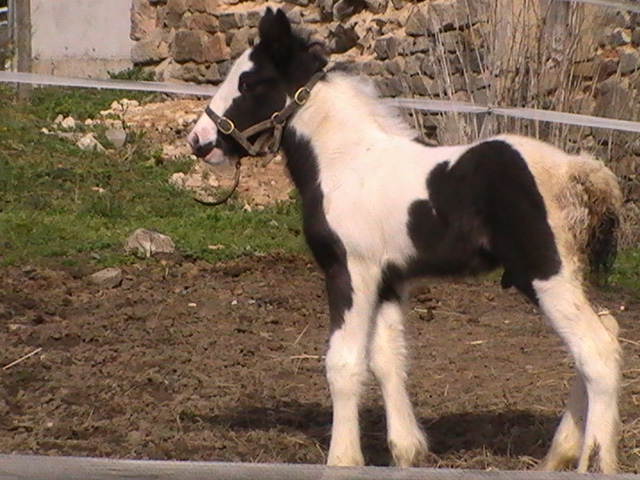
x: 81, y: 37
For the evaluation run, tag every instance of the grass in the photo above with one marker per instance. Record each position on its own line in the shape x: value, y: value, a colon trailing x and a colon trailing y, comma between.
x: 60, y: 202
x: 626, y: 271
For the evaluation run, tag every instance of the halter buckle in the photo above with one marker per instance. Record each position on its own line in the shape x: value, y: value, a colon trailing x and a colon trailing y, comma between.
x: 277, y: 118
x: 225, y: 126
x: 302, y: 95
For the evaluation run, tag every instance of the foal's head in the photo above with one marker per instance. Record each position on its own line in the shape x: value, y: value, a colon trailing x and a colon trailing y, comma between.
x: 261, y: 82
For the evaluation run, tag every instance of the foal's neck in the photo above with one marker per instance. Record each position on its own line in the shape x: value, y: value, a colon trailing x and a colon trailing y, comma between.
x: 342, y: 119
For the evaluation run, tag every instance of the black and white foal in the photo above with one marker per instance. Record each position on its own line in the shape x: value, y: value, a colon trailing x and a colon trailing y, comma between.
x: 380, y: 208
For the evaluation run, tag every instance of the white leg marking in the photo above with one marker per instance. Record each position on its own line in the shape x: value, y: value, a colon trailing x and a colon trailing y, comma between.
x: 347, y: 368
x: 596, y: 353
x: 388, y: 361
x: 567, y: 441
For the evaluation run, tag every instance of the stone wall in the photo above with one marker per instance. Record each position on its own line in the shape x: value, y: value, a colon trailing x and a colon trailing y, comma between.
x: 435, y: 48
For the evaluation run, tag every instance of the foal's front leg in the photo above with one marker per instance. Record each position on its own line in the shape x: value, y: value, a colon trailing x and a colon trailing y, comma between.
x: 388, y: 360
x: 351, y: 315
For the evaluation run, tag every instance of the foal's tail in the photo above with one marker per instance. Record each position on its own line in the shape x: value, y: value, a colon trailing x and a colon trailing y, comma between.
x: 595, y: 202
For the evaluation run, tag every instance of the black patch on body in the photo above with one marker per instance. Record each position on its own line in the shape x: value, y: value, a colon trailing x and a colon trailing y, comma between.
x: 484, y: 211
x: 327, y: 248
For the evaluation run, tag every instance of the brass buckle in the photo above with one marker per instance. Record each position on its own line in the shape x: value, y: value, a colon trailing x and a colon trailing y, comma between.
x: 226, y: 126
x: 302, y: 95
x: 276, y: 117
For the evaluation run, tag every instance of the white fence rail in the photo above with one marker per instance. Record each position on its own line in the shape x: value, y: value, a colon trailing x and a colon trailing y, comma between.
x: 36, y: 467
x: 609, y: 3
x: 413, y: 103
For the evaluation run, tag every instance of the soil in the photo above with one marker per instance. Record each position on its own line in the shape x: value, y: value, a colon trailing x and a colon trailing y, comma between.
x: 223, y: 362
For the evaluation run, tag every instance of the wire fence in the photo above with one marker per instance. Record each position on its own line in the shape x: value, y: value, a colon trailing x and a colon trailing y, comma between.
x: 410, y: 103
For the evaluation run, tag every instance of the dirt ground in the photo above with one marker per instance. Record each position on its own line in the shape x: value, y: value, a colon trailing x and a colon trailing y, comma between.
x: 224, y: 362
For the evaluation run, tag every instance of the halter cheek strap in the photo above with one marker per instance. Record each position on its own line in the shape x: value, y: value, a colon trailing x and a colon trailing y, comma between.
x: 276, y: 123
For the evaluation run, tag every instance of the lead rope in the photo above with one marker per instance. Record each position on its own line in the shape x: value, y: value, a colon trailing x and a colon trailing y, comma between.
x: 227, y: 196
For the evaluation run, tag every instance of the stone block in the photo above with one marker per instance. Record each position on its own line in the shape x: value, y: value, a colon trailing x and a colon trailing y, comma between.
x: 295, y: 16
x: 201, y: 21
x: 413, y: 63
x: 614, y: 99
x: 200, y: 47
x: 204, y: 6
x: 607, y: 63
x: 396, y: 66
x: 149, y: 242
x: 174, y: 11
x: 343, y: 38
x: 231, y: 21
x: 429, y: 66
x: 450, y: 41
x: 618, y: 37
x: 150, y: 50
x: 373, y: 68
x: 421, y: 44
x: 311, y: 16
x: 241, y: 40
x: 390, y: 86
x: 421, y: 85
x: 344, y: 9
x: 107, y: 278
x: 473, y: 60
x: 445, y: 15
x: 386, y: 48
x: 377, y: 6
x: 212, y: 74
x: 253, y: 18
x: 629, y: 59
x: 417, y: 23
x: 588, y: 69
x: 143, y: 19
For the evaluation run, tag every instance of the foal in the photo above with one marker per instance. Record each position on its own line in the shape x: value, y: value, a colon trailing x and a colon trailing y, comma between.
x: 380, y: 208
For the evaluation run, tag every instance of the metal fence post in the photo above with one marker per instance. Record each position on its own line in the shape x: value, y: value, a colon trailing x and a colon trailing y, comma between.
x: 23, y: 42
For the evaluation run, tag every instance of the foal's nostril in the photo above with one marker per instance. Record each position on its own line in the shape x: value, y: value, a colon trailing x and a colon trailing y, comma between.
x: 193, y: 140
x: 201, y: 150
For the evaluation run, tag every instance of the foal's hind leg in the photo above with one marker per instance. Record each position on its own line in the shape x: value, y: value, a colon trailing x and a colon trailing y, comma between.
x: 596, y: 353
x: 567, y: 441
x: 388, y: 361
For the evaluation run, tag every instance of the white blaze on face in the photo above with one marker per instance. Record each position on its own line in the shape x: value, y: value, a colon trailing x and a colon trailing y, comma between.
x: 205, y: 130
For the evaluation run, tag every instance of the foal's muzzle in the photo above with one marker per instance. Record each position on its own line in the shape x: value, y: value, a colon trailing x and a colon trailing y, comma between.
x: 201, y: 150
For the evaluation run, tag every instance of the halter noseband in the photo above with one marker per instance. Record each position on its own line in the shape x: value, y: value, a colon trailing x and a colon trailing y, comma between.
x: 276, y: 122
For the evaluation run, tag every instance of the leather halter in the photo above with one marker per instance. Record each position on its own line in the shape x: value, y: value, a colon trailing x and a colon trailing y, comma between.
x: 276, y: 122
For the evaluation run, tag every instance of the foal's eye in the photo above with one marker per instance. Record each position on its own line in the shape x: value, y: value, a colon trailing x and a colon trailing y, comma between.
x: 244, y: 86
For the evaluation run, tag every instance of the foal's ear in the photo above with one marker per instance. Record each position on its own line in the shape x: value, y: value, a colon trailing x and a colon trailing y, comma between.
x: 275, y: 34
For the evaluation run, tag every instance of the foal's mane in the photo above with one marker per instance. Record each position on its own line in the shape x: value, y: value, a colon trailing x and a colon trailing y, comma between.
x: 362, y: 90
